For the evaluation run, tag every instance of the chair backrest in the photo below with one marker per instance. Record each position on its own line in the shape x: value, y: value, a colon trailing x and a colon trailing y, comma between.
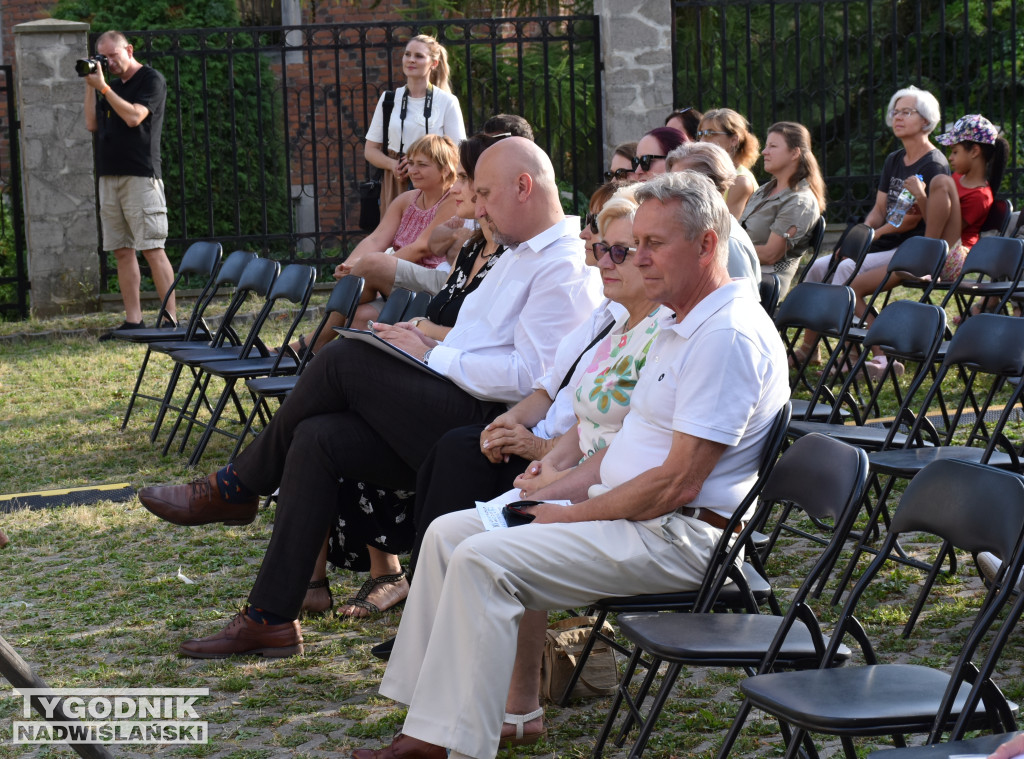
x: 986, y: 351
x: 995, y: 259
x: 395, y: 305
x: 230, y: 271
x: 199, y: 260
x: 854, y: 245
x: 998, y: 220
x: 417, y: 306
x: 295, y: 285
x: 910, y: 332
x: 815, y: 240
x: 824, y: 492
x: 827, y: 311
x: 1016, y: 224
x: 920, y: 257
x: 257, y: 279
x: 769, y: 290
x: 344, y: 300
x: 974, y: 508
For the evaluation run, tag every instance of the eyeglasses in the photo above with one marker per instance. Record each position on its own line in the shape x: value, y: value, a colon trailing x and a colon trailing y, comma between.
x: 618, y: 175
x: 645, y: 161
x: 904, y: 112
x: 617, y: 253
x: 591, y: 222
x: 709, y: 132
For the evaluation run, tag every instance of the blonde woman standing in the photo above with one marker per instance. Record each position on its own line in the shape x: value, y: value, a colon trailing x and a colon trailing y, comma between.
x: 425, y: 105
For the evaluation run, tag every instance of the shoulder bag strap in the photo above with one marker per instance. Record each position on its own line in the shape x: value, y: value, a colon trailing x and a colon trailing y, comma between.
x: 572, y: 369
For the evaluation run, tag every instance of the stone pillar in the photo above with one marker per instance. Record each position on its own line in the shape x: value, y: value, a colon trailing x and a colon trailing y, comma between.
x: 57, y: 168
x: 636, y: 45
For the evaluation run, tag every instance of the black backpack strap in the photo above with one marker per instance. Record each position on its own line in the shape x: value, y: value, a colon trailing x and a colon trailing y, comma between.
x: 388, y: 107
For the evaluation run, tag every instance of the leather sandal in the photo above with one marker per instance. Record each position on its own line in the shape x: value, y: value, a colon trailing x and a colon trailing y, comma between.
x: 521, y: 738
x: 367, y: 587
x: 308, y: 610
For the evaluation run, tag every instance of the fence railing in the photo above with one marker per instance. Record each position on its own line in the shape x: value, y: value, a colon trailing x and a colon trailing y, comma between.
x: 14, y: 284
x: 833, y: 65
x: 263, y: 137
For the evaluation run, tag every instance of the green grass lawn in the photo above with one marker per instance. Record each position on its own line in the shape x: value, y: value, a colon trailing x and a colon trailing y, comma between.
x: 92, y: 598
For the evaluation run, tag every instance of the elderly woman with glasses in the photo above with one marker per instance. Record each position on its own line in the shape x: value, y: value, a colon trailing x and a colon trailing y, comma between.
x: 731, y: 132
x: 652, y: 150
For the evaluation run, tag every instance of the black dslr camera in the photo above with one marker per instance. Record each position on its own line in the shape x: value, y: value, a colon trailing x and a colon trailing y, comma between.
x: 86, y: 66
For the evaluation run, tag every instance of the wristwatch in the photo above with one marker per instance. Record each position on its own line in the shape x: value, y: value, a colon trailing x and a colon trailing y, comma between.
x: 426, y: 356
x: 415, y: 321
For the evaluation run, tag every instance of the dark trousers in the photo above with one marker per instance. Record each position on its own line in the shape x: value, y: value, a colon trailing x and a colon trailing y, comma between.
x: 455, y: 475
x: 355, y: 413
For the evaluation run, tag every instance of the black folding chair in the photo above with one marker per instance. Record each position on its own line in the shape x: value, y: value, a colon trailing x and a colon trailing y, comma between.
x: 257, y: 278
x: 198, y: 263
x: 853, y: 244
x: 294, y: 285
x: 770, y: 290
x: 763, y: 642
x: 999, y: 217
x: 974, y: 507
x: 826, y: 311
x: 344, y: 300
x: 752, y: 585
x: 814, y: 241
x: 981, y: 746
x: 395, y: 306
x: 197, y: 330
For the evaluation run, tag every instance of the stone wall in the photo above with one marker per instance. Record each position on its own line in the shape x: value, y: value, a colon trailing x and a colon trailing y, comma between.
x: 636, y: 42
x: 57, y: 164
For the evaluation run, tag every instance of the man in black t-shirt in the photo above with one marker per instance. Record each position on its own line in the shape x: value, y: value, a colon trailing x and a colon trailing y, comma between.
x: 127, y: 115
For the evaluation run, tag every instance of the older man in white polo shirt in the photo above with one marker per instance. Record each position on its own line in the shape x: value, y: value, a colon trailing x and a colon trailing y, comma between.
x: 646, y: 512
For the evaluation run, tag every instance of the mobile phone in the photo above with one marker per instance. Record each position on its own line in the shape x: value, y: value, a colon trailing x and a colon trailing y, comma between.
x: 514, y: 514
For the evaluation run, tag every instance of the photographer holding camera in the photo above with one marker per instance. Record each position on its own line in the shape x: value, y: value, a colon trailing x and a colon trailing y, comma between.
x: 127, y: 114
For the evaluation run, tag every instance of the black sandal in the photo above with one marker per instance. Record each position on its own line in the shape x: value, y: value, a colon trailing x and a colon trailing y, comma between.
x: 303, y: 348
x: 316, y: 585
x: 367, y: 587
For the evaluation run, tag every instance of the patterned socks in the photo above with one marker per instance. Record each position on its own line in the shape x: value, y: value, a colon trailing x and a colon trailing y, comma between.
x: 230, y: 487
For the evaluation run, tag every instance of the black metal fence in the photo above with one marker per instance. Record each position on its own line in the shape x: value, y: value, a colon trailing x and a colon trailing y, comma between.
x: 263, y: 137
x: 833, y: 65
x: 13, y: 258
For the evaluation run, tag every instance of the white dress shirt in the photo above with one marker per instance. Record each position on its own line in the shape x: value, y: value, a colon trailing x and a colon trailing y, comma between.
x: 508, y: 329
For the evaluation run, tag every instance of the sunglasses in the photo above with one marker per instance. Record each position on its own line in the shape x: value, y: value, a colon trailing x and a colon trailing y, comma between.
x: 709, y: 132
x: 645, y: 161
x: 618, y: 175
x: 617, y: 253
x: 591, y: 221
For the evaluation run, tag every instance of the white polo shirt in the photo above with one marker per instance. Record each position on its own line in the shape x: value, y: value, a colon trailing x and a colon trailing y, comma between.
x: 505, y: 337
x: 721, y: 375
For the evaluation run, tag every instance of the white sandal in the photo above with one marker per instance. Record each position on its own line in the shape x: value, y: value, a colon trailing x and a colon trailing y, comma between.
x: 521, y: 738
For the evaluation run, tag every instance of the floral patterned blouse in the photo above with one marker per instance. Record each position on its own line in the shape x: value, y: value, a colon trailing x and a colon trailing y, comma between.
x: 602, y: 395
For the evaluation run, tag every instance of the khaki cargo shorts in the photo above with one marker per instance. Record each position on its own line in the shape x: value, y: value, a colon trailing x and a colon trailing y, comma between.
x: 133, y: 213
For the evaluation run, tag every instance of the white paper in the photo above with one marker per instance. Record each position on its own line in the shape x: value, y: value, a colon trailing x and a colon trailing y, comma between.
x: 490, y: 511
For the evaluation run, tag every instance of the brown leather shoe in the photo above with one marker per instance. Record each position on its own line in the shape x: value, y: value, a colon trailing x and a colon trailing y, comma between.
x: 199, y: 502
x: 246, y: 636
x: 403, y: 747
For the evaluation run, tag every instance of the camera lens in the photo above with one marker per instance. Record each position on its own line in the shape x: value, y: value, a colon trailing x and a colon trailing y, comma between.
x: 85, y: 66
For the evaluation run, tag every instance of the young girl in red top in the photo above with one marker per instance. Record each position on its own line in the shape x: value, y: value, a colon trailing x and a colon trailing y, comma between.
x: 977, y: 158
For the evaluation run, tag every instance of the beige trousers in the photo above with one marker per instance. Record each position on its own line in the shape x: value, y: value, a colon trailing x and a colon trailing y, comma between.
x: 452, y: 661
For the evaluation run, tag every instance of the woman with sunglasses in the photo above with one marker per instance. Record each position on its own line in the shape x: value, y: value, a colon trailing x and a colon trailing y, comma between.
x: 781, y: 214
x: 731, y: 132
x: 425, y: 105
x: 601, y: 398
x: 621, y: 167
x: 652, y: 149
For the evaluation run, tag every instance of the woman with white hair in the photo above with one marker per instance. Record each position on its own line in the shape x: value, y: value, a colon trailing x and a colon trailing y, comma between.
x: 913, y: 114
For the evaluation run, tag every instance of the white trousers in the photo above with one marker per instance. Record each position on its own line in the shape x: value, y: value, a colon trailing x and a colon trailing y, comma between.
x: 452, y: 661
x: 844, y: 270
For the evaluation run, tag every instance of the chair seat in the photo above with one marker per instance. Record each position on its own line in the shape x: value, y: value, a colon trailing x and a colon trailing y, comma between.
x: 159, y: 334
x: 272, y: 387
x: 876, y: 699
x: 730, y: 597
x: 982, y: 746
x: 720, y: 640
x: 912, y: 460
x: 199, y: 356
x: 252, y: 367
x: 869, y: 438
x: 821, y: 410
